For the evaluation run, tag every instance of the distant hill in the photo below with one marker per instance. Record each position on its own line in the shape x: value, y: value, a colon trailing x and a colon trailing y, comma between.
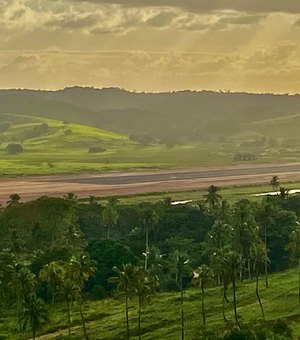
x: 113, y: 129
x: 181, y: 116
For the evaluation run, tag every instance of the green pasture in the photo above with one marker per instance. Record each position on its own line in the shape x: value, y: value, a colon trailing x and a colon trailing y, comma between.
x: 161, y: 317
x: 60, y: 152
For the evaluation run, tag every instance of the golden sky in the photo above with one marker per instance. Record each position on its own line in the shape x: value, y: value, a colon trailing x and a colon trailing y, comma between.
x: 151, y: 45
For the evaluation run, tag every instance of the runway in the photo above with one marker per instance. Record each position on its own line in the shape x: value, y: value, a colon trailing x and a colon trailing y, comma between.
x: 127, y: 183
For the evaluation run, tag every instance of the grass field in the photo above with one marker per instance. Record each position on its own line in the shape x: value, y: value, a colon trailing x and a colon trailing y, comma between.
x: 231, y: 194
x: 161, y: 318
x: 57, y: 151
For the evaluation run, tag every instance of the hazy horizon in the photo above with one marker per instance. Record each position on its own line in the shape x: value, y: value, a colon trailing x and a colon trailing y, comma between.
x: 151, y: 45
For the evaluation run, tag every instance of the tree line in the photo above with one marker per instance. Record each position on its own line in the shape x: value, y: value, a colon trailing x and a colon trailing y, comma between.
x: 63, y: 250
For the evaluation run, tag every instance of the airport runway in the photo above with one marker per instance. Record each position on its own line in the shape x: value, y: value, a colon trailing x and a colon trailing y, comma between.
x: 126, y: 183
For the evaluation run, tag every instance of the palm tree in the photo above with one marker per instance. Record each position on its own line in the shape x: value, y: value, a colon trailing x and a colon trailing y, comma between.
x: 81, y: 269
x: 218, y: 266
x: 283, y: 193
x: 294, y: 249
x: 202, y: 275
x: 146, y: 285
x: 110, y: 215
x: 245, y: 230
x: 259, y: 257
x: 232, y: 261
x: 53, y: 274
x: 125, y: 281
x: 33, y: 313
x: 275, y: 183
x: 148, y: 220
x: 13, y: 200
x: 180, y: 267
x: 266, y: 220
x: 212, y: 198
x: 69, y: 291
x: 24, y: 282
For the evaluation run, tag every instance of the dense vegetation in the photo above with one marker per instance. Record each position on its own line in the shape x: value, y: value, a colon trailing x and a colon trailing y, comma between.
x: 58, y: 257
x: 115, y: 129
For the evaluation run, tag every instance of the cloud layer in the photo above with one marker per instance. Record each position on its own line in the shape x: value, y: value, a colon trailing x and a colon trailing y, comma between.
x: 152, y: 45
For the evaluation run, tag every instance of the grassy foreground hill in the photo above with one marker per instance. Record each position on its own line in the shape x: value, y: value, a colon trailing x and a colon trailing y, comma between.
x: 161, y: 317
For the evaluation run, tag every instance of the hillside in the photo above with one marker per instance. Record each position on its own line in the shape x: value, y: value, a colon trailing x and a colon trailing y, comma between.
x: 139, y: 130
x: 181, y: 115
x: 54, y: 146
x: 161, y: 317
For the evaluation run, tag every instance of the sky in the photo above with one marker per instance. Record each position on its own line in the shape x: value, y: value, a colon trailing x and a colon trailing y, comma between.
x: 151, y: 45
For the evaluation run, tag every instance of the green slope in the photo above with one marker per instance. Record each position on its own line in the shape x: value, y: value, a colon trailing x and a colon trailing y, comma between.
x: 64, y: 148
x: 161, y: 318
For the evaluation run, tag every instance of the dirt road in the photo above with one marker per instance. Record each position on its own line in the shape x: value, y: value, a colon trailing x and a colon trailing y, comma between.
x: 126, y: 183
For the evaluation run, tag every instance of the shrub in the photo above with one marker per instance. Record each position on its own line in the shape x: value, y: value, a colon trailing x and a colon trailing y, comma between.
x: 96, y: 149
x: 14, y: 149
x: 282, y: 328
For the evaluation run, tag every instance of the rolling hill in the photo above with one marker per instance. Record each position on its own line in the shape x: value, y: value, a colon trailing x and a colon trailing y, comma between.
x: 144, y: 130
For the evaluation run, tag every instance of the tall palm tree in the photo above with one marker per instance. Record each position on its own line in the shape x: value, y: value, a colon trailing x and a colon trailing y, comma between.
x: 218, y: 266
x: 202, y: 276
x: 212, y: 198
x: 148, y: 219
x: 110, y: 215
x: 81, y: 268
x: 33, y: 313
x: 23, y: 282
x: 146, y: 285
x: 294, y: 249
x: 53, y: 274
x: 259, y: 257
x: 68, y: 291
x: 232, y: 262
x: 180, y: 268
x: 125, y: 280
x: 245, y: 232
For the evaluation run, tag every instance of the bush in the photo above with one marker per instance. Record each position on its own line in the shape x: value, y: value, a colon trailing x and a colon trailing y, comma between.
x: 96, y: 149
x: 14, y: 149
x: 280, y: 327
x: 240, y: 334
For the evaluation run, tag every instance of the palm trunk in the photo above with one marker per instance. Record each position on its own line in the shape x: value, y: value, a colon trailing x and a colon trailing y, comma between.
x: 53, y: 296
x: 258, y: 297
x: 234, y: 298
x: 147, y: 248
x: 224, y: 301
x: 266, y: 262
x: 249, y: 269
x: 182, y: 312
x: 140, y: 312
x: 33, y: 334
x: 69, y: 317
x: 299, y: 279
x: 203, y: 305
x: 127, y: 317
x: 83, y: 321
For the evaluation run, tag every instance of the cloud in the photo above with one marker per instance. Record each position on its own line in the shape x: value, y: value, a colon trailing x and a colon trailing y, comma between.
x: 258, y: 6
x: 241, y: 19
x: 162, y: 19
x: 73, y: 21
